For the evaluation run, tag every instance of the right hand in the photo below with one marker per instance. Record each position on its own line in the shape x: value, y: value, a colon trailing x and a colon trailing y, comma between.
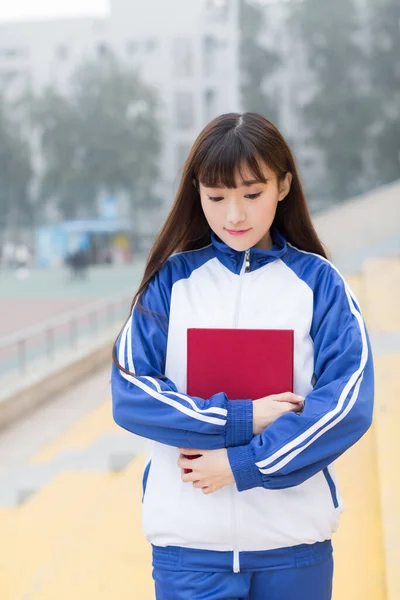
x: 266, y: 410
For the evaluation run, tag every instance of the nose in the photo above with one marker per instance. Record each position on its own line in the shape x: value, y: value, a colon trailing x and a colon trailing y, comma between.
x: 235, y: 212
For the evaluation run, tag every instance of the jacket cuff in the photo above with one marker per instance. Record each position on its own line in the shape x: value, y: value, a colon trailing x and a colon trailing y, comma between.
x: 245, y: 472
x: 239, y: 425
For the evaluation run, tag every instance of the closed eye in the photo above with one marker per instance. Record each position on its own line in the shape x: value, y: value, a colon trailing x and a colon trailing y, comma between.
x: 216, y: 198
x: 248, y: 196
x: 253, y: 196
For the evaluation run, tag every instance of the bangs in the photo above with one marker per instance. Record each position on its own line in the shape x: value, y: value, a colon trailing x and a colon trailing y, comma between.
x: 228, y: 162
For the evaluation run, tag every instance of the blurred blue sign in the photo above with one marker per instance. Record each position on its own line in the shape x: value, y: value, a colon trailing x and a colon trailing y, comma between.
x: 109, y: 207
x: 51, y: 246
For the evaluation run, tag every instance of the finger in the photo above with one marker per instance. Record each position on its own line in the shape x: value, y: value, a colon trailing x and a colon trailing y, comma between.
x: 188, y: 477
x: 288, y: 397
x: 185, y: 463
x: 207, y: 490
x: 293, y: 399
x: 189, y: 451
x: 291, y: 405
x: 197, y: 484
x: 296, y: 408
x: 287, y: 406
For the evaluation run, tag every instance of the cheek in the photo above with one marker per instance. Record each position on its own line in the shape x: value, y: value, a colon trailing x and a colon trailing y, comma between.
x: 204, y: 206
x: 265, y: 212
x: 210, y: 210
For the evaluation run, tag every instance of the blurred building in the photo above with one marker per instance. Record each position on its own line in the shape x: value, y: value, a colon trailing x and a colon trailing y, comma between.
x: 290, y: 86
x: 190, y: 52
x: 187, y: 50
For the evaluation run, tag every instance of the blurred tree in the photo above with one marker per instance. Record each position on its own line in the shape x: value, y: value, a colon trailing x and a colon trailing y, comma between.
x: 339, y: 112
x: 62, y: 179
x: 384, y: 19
x: 15, y: 174
x: 101, y: 138
x: 256, y: 61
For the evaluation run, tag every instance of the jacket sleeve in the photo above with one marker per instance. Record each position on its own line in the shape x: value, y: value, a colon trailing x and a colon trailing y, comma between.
x: 150, y: 405
x: 338, y: 410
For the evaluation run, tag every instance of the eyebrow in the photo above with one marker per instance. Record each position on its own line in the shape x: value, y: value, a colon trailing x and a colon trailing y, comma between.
x: 247, y: 183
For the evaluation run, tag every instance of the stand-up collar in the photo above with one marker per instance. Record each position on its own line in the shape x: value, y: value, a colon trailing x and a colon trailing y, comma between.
x: 233, y: 259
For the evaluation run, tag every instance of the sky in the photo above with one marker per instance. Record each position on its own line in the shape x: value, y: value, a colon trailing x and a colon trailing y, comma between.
x: 39, y: 9
x: 17, y: 10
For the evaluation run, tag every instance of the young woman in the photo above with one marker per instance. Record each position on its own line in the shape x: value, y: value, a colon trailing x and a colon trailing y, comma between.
x: 253, y: 516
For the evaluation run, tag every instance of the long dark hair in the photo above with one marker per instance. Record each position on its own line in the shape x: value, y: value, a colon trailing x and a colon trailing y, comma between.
x: 226, y: 145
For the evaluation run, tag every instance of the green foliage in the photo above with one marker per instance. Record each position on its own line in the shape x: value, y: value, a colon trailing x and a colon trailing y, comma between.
x: 15, y: 172
x: 385, y: 85
x: 340, y: 109
x: 256, y: 62
x: 103, y: 137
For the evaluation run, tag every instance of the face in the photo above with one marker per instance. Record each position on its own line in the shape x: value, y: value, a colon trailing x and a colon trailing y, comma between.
x: 242, y: 217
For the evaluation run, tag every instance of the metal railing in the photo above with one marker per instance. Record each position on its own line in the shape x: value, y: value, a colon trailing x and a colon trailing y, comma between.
x: 61, y: 334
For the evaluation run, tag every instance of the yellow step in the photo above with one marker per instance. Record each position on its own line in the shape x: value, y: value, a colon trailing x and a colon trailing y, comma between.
x: 81, y: 537
x: 358, y: 544
x: 62, y: 548
x: 387, y: 420
x: 83, y: 433
x: 382, y: 291
x: 32, y: 534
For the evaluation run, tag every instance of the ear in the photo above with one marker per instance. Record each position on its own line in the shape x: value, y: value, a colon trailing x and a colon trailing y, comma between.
x: 284, y: 187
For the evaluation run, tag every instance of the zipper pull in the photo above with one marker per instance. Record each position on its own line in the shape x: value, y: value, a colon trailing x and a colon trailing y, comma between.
x: 236, y: 561
x: 247, y: 261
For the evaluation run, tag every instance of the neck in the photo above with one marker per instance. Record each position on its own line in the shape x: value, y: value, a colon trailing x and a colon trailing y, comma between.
x: 266, y: 242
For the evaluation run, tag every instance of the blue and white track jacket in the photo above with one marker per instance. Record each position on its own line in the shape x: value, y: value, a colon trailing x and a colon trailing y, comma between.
x: 285, y: 492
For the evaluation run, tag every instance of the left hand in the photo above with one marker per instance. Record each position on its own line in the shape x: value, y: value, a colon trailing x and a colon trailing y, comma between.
x: 210, y: 472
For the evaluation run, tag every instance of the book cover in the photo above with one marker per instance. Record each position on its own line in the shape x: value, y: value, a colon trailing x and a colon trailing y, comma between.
x: 243, y: 363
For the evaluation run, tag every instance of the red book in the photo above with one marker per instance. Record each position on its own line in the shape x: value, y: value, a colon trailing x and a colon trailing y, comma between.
x: 243, y: 363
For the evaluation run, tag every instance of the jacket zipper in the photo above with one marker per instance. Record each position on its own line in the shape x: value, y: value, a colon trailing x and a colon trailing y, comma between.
x: 245, y: 269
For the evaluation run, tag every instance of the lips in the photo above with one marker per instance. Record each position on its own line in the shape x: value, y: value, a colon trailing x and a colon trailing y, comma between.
x: 237, y: 231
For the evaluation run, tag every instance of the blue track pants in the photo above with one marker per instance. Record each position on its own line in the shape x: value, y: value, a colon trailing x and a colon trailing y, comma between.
x: 311, y: 582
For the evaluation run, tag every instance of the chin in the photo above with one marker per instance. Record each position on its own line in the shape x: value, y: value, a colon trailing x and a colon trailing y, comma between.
x: 240, y: 247
x: 241, y: 244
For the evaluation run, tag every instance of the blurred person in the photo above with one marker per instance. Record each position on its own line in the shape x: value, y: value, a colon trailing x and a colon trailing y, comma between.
x: 22, y: 258
x: 78, y: 263
x: 8, y: 255
x: 106, y: 256
x: 240, y: 498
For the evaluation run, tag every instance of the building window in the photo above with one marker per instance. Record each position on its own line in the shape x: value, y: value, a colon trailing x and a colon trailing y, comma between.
x: 181, y: 152
x: 210, y: 55
x: 103, y: 50
x: 150, y: 45
x: 7, y: 77
x: 217, y: 10
x: 62, y: 52
x: 12, y: 53
x: 184, y: 110
x: 132, y: 47
x: 210, y: 104
x: 182, y: 57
